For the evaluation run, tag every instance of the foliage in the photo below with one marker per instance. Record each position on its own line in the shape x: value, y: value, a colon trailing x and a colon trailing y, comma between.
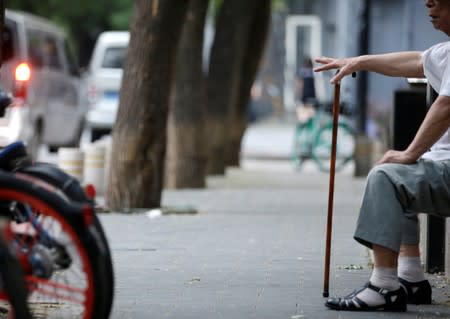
x: 88, y: 13
x: 214, y: 6
x: 80, y: 18
x: 279, y: 5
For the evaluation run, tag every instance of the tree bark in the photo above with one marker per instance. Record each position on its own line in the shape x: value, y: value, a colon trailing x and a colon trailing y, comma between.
x: 2, y: 23
x: 232, y: 26
x: 252, y: 58
x: 139, y: 135
x: 186, y: 150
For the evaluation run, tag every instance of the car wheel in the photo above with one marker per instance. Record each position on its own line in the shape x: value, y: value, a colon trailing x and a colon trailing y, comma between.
x: 98, y: 133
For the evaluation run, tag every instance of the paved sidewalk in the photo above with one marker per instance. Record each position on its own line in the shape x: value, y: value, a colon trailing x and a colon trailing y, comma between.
x: 270, y: 138
x: 254, y: 250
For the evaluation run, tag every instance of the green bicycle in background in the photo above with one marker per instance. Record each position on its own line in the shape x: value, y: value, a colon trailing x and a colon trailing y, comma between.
x: 312, y: 139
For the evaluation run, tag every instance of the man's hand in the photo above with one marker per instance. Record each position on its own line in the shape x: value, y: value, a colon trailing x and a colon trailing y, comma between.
x: 346, y: 66
x: 401, y: 157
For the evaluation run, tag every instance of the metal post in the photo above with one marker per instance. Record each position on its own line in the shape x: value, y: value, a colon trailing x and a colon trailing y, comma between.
x: 363, y: 76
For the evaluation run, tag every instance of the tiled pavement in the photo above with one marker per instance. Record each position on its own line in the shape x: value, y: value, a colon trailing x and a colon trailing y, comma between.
x: 255, y: 249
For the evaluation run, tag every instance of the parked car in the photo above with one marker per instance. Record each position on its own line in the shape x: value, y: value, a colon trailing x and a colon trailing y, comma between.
x: 43, y: 76
x: 103, y: 81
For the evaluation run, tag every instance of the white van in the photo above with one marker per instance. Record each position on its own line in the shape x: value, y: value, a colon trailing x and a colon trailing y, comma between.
x: 103, y: 81
x: 40, y: 71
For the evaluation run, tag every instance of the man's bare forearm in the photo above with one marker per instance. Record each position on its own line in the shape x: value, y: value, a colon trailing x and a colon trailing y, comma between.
x: 401, y: 64
x: 435, y: 124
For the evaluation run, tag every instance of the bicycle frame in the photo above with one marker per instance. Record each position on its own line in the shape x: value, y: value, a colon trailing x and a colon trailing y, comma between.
x: 311, y: 141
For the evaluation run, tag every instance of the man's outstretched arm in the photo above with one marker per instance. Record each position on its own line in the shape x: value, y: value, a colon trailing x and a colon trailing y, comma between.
x: 401, y: 64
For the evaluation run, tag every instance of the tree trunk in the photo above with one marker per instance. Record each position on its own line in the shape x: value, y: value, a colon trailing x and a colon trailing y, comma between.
x: 139, y: 135
x: 224, y: 76
x: 2, y: 23
x: 253, y: 55
x: 186, y: 150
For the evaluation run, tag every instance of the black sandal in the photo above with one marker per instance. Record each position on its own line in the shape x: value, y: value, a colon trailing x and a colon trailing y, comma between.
x: 419, y: 293
x: 394, y: 301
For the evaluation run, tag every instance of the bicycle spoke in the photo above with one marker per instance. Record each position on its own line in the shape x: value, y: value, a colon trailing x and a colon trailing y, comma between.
x: 56, y: 290
x: 344, y: 148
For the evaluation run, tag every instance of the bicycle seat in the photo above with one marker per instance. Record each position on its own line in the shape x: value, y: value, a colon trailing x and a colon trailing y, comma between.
x: 13, y: 154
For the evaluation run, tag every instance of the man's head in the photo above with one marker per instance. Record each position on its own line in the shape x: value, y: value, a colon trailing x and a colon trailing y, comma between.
x: 439, y: 12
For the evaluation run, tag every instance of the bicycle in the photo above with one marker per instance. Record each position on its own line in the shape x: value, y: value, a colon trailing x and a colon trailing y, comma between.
x: 58, y: 242
x: 73, y: 190
x: 312, y: 139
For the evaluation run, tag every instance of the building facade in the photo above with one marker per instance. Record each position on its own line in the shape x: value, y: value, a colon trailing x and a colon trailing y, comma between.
x: 391, y: 25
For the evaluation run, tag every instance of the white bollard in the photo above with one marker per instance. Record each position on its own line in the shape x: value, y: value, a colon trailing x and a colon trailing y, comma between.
x: 94, y: 167
x: 70, y: 160
x: 106, y: 142
x: 108, y: 148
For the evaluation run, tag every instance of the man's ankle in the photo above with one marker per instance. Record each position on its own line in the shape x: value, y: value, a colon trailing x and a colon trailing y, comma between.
x: 410, y: 269
x: 385, y: 278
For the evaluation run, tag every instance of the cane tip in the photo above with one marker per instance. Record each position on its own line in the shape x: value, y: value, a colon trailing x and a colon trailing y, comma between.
x: 325, y: 294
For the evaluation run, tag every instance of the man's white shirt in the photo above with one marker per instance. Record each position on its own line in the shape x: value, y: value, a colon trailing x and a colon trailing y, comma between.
x: 436, y: 67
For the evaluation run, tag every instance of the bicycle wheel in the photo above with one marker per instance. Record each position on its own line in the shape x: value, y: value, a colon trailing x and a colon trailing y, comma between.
x: 62, y: 261
x: 301, y: 147
x: 345, y: 146
x: 73, y: 190
x: 14, y: 285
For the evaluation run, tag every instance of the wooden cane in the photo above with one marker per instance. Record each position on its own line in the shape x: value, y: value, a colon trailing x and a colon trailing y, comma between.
x: 337, y: 90
x: 336, y: 107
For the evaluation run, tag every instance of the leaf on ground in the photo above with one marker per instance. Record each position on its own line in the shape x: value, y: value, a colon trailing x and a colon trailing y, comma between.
x: 352, y: 267
x: 193, y: 280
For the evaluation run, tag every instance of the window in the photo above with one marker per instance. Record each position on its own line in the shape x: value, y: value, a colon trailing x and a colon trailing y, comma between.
x: 43, y: 50
x: 71, y: 60
x: 8, y: 41
x: 114, y: 58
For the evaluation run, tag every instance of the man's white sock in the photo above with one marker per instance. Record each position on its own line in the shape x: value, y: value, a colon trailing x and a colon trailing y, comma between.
x: 410, y: 269
x: 382, y: 278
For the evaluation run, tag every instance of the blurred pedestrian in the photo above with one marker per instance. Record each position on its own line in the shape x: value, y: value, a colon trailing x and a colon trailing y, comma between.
x: 305, y: 91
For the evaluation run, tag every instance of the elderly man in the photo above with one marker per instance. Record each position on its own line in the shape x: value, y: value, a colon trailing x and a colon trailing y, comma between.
x: 404, y: 182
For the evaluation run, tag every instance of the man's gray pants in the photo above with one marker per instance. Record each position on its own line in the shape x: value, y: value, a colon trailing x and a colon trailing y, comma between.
x: 394, y: 194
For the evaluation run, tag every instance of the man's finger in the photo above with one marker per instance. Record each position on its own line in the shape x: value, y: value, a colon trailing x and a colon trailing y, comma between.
x: 324, y: 68
x: 323, y: 59
x: 329, y: 66
x: 338, y: 77
x: 382, y: 160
